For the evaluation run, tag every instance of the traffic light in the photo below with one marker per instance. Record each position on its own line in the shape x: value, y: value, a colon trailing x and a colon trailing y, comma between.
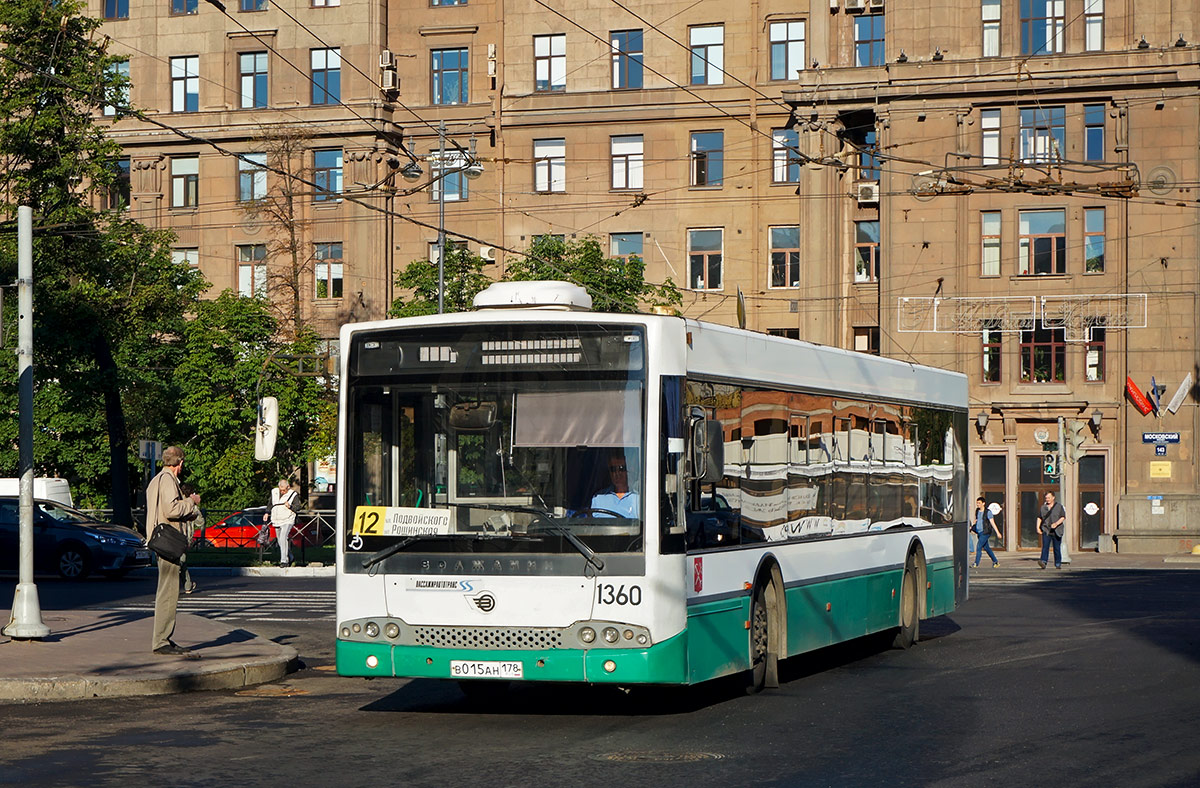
x: 1075, y: 439
x: 1050, y: 464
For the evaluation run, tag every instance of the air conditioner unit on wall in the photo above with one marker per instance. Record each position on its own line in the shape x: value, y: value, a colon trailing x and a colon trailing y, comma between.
x: 876, y: 5
x: 385, y: 59
x: 487, y: 253
x: 833, y: 6
x: 856, y: 5
x: 867, y: 192
x: 388, y: 81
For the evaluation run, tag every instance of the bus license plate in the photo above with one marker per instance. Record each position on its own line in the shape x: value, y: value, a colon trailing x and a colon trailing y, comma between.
x: 464, y: 669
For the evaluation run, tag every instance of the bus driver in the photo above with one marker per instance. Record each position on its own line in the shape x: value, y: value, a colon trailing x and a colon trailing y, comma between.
x: 617, y: 497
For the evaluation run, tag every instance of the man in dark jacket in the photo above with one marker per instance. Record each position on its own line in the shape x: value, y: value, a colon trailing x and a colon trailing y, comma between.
x: 1051, y: 522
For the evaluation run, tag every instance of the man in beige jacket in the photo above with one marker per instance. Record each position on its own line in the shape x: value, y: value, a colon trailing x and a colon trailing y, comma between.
x: 166, y: 503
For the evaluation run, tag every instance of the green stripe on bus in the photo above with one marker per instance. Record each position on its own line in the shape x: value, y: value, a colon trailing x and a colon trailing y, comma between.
x: 662, y: 663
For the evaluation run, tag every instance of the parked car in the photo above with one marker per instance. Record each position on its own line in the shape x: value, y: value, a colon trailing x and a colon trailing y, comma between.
x: 69, y: 542
x: 241, y: 528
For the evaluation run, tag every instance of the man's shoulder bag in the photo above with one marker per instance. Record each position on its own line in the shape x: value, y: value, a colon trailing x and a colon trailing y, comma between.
x: 168, y: 542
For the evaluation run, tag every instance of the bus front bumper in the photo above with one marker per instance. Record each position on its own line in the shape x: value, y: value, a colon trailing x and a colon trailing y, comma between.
x: 662, y: 663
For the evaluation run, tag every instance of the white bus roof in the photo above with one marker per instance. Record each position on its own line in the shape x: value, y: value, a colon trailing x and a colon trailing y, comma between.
x: 733, y: 354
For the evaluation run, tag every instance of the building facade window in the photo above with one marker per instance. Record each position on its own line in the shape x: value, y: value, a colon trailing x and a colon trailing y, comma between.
x: 1043, y: 134
x: 116, y: 196
x: 785, y: 256
x: 708, y: 54
x: 866, y: 251
x: 785, y: 156
x: 626, y: 59
x: 328, y: 270
x: 1093, y: 240
x: 1093, y: 366
x: 550, y: 165
x: 990, y: 12
x: 450, y: 75
x: 868, y: 40
x: 627, y: 157
x: 327, y: 174
x: 447, y: 2
x: 787, y: 49
x: 185, y: 181
x: 252, y: 68
x: 120, y: 70
x: 182, y: 7
x: 1043, y: 355
x: 326, y: 75
x: 252, y: 270
x: 866, y: 339
x: 116, y: 9
x: 786, y: 333
x: 453, y: 182
x: 325, y: 3
x: 550, y: 63
x: 989, y: 124
x: 1093, y: 132
x: 186, y: 256
x: 1042, y: 244
x: 868, y: 156
x: 990, y: 253
x: 705, y: 255
x: 1093, y: 25
x: 253, y: 5
x: 185, y: 83
x: 252, y: 177
x: 708, y: 158
x: 1042, y: 24
x: 625, y: 246
x: 992, y: 347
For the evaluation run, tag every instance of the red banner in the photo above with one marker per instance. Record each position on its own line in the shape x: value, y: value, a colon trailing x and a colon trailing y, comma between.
x: 1137, y: 397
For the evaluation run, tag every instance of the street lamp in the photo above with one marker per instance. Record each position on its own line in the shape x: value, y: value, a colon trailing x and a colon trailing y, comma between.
x: 471, y: 167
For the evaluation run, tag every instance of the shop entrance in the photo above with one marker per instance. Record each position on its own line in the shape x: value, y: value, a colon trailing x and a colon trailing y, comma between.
x: 1032, y: 486
x: 1090, y: 513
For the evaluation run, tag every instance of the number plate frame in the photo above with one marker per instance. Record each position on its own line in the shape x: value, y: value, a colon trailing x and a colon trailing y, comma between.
x: 486, y: 669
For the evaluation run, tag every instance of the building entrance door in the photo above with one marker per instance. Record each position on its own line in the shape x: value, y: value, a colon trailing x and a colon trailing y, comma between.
x: 1091, y: 501
x: 993, y: 479
x: 1032, y: 486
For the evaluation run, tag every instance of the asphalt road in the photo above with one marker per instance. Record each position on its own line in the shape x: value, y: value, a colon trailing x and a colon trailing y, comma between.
x: 1079, y: 679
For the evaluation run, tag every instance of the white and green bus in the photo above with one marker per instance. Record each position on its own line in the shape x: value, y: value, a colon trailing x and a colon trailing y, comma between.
x: 537, y: 492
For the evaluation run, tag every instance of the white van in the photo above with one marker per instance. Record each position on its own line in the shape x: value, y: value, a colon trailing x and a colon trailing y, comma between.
x: 47, y: 489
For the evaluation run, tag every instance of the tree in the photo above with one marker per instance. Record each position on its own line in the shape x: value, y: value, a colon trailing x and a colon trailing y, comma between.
x: 462, y: 275
x: 615, y: 285
x: 231, y: 352
x: 109, y: 302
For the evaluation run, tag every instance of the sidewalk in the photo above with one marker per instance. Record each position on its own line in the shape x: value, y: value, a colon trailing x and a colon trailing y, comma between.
x: 1027, y: 562
x: 106, y: 654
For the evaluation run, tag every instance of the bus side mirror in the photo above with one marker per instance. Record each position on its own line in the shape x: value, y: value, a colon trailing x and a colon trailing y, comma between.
x: 708, y: 451
x: 266, y: 428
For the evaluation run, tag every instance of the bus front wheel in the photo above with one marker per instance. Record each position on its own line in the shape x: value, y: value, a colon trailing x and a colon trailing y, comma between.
x: 764, y: 653
x: 910, y: 619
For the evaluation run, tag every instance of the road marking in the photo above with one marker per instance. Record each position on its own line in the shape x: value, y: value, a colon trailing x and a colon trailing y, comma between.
x: 275, y: 606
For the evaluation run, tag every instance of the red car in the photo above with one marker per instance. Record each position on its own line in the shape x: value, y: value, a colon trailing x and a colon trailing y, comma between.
x: 240, y: 529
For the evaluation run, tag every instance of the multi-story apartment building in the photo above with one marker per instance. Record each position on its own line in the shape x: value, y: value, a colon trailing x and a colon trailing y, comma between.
x: 1007, y: 188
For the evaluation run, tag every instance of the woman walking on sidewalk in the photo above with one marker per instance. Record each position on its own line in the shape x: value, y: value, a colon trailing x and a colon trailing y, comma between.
x: 985, y: 524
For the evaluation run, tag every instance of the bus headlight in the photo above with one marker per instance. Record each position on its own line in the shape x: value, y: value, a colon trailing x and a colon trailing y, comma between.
x: 392, y: 630
x: 372, y: 629
x: 345, y: 632
x: 587, y: 635
x: 611, y: 635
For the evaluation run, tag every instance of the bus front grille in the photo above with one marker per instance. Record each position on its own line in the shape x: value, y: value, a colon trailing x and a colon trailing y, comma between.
x: 499, y: 638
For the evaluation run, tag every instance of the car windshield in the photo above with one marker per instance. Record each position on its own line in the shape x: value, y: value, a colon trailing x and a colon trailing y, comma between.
x: 509, y: 439
x: 65, y: 514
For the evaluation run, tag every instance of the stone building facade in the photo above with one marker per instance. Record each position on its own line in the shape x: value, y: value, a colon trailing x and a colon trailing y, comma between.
x: 1007, y: 188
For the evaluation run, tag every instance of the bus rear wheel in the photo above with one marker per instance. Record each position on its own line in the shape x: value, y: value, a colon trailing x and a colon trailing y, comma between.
x: 910, y: 619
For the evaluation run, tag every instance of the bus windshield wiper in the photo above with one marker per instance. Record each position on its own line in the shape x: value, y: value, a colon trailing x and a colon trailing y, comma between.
x: 553, y: 526
x: 389, y: 551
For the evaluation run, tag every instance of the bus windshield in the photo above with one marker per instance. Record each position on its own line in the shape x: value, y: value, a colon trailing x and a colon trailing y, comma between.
x: 496, y: 439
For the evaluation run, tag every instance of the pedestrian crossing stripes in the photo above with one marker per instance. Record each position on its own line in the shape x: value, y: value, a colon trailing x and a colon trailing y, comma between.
x: 281, y: 606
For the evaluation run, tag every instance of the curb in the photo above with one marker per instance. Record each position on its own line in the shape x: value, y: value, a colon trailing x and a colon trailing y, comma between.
x: 245, y: 571
x: 78, y: 687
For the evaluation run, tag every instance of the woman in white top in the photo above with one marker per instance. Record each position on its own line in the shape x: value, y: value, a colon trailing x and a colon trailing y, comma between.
x: 283, y: 517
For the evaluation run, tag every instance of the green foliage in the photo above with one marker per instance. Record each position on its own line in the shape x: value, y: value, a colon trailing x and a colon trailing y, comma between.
x: 230, y: 350
x: 614, y: 285
x: 463, y: 277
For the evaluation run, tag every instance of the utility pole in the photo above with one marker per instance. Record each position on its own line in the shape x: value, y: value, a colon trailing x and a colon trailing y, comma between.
x: 26, y: 620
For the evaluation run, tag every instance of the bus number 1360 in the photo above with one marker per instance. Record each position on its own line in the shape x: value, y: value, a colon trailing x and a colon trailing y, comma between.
x: 609, y: 594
